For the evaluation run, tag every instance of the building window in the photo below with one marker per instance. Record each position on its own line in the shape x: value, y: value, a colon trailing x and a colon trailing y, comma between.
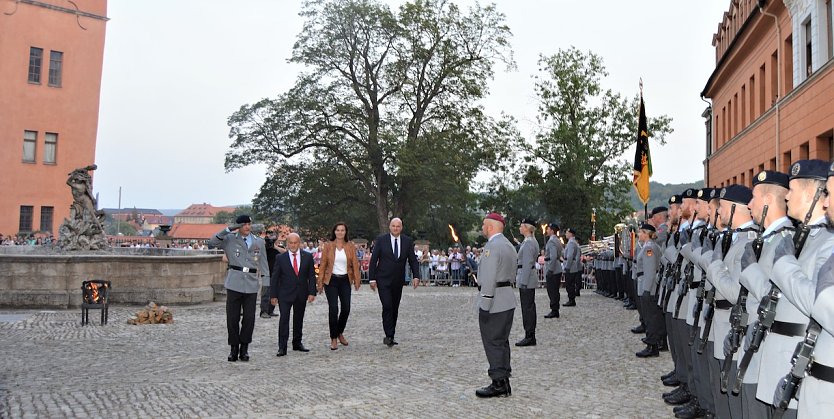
x: 30, y: 141
x: 35, y: 64
x: 46, y: 218
x: 808, y: 51
x: 50, y: 147
x: 56, y: 59
x: 25, y: 225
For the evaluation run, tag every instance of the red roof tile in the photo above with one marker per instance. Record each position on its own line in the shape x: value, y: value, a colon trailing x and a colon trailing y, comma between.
x: 195, y: 231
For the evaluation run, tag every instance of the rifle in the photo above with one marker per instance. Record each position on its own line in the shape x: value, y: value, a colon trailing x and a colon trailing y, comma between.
x: 670, y: 276
x: 688, y: 271
x: 726, y: 241
x: 801, y: 363
x: 701, y: 293
x: 739, y: 315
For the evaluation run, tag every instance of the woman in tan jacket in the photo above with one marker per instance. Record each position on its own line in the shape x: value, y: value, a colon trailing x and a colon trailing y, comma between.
x: 338, y: 270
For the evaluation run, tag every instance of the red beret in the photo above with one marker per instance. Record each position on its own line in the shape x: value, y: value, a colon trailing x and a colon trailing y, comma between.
x: 495, y: 216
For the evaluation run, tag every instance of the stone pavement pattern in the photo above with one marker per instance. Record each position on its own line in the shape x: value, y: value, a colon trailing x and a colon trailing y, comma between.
x: 583, y: 366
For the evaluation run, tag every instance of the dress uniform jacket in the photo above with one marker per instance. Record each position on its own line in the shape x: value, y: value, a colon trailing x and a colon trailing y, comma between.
x: 526, y: 268
x: 778, y: 349
x: 815, y: 399
x: 684, y: 239
x: 756, y: 278
x: 554, y: 251
x: 573, y: 255
x: 252, y: 259
x: 498, y: 264
x: 670, y: 255
x: 724, y: 276
x: 646, y: 266
x: 692, y: 254
x: 662, y: 235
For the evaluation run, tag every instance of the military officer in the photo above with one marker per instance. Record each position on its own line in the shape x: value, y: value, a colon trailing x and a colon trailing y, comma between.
x: 645, y: 267
x: 527, y: 281
x: 496, y: 303
x: 795, y: 265
x: 769, y: 191
x: 246, y: 254
x: 553, y: 269
x: 668, y: 260
x: 573, y: 267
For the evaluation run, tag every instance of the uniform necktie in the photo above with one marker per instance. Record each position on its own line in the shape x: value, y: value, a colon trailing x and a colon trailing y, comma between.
x: 295, y: 262
x: 396, y: 249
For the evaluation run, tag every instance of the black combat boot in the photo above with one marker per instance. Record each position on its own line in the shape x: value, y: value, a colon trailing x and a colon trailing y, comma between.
x: 649, y: 351
x: 527, y: 341
x: 640, y: 328
x: 233, y: 354
x: 498, y: 388
x: 244, y: 352
x: 679, y: 398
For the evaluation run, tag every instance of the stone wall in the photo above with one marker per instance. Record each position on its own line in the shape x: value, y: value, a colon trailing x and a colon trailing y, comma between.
x: 55, y: 280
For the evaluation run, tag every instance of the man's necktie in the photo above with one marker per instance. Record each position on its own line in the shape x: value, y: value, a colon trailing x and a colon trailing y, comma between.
x: 295, y: 262
x: 396, y: 249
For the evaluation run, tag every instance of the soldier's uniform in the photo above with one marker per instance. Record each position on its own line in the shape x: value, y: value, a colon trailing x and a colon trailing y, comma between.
x: 724, y: 274
x: 755, y: 277
x: 527, y: 282
x: 815, y: 399
x: 645, y: 271
x: 675, y: 326
x: 247, y: 266
x: 573, y: 269
x: 553, y: 270
x: 496, y: 303
x: 792, y: 314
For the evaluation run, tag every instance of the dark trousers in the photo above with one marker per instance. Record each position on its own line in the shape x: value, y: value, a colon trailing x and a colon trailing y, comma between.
x: 266, y: 307
x: 553, y: 284
x: 620, y: 283
x: 571, y: 284
x: 681, y: 342
x: 240, y: 330
x: 528, y: 311
x: 338, y: 290
x: 297, y: 306
x: 655, y: 324
x: 495, y: 334
x: 390, y: 296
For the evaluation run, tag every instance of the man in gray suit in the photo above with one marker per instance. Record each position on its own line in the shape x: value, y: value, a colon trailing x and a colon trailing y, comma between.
x: 573, y: 267
x: 496, y: 303
x: 246, y: 254
x: 553, y: 272
x: 527, y: 280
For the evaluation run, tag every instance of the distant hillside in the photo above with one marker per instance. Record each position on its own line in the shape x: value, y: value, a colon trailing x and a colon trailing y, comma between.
x: 660, y: 193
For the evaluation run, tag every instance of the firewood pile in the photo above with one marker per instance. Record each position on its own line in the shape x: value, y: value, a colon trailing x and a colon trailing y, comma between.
x: 152, y: 314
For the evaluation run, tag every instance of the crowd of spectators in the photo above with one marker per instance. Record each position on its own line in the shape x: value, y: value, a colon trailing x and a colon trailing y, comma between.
x: 28, y: 240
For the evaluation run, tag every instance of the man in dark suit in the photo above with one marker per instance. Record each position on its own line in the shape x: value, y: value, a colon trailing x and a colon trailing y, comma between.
x: 293, y: 285
x: 387, y: 273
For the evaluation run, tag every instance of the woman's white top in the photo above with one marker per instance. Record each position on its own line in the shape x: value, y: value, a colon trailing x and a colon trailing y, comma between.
x: 340, y: 262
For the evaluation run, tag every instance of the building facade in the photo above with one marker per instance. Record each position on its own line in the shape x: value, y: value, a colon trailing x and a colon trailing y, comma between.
x: 772, y: 90
x: 51, y: 54
x: 200, y: 214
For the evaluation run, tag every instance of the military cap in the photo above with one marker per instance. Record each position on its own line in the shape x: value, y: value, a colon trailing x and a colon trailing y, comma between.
x: 771, y: 178
x: 243, y: 219
x: 495, y: 216
x: 737, y: 193
x: 690, y: 193
x: 528, y: 221
x: 554, y: 226
x: 658, y: 210
x: 704, y: 194
x: 714, y: 194
x: 810, y: 169
x: 647, y: 227
x: 571, y: 231
x: 675, y: 199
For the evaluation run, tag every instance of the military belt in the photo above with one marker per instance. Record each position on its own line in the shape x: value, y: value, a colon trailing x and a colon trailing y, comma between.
x: 693, y: 285
x: 639, y: 274
x: 503, y: 284
x: 821, y: 372
x: 726, y: 305
x: 788, y: 329
x: 247, y: 270
x: 521, y: 266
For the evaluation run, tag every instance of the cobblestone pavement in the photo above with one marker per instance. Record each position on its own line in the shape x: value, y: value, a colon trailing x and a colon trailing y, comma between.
x: 583, y: 366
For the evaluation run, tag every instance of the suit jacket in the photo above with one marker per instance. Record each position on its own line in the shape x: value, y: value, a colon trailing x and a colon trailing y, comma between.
x: 286, y: 285
x: 526, y: 268
x: 238, y: 254
x: 573, y: 256
x: 498, y: 264
x: 554, y: 252
x: 387, y: 269
x: 328, y: 255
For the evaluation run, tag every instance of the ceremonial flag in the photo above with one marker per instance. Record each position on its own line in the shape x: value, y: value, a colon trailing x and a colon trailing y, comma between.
x: 642, y: 157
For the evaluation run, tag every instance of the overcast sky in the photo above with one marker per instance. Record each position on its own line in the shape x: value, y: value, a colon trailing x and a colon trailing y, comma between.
x: 174, y: 71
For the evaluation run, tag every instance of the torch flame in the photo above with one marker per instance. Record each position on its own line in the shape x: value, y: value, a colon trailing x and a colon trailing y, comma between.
x: 94, y: 295
x: 544, y: 226
x: 454, y: 235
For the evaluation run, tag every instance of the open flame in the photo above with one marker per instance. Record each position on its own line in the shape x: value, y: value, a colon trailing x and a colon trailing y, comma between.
x: 544, y: 227
x: 94, y: 294
x: 454, y: 235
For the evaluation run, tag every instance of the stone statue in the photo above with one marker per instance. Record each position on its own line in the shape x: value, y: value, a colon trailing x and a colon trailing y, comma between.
x: 84, y: 229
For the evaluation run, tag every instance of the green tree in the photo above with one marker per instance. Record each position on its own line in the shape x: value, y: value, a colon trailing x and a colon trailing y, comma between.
x: 223, y: 217
x: 388, y: 99
x: 122, y: 227
x: 586, y: 131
